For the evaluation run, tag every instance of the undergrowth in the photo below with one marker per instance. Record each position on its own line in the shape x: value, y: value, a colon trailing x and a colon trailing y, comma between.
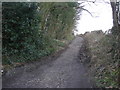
x: 43, y: 29
x: 103, y: 66
x: 24, y: 57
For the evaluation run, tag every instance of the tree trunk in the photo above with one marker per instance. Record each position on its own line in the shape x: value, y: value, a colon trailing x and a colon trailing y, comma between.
x: 113, y: 4
x: 117, y: 27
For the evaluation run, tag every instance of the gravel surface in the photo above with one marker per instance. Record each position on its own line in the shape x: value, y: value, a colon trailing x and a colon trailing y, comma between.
x: 66, y: 71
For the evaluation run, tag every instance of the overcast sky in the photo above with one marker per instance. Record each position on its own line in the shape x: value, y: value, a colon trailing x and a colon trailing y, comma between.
x: 101, y: 20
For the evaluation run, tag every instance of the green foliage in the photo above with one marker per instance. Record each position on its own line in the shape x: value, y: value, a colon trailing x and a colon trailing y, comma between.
x: 57, y: 19
x: 102, y: 65
x: 108, y: 79
x: 29, y: 29
x: 116, y: 49
x: 116, y: 37
x: 116, y: 43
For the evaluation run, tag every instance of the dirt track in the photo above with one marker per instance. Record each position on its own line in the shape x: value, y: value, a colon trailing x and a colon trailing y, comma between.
x: 66, y: 71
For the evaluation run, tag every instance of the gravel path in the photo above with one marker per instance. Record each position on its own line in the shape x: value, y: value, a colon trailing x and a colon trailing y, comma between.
x: 64, y: 72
